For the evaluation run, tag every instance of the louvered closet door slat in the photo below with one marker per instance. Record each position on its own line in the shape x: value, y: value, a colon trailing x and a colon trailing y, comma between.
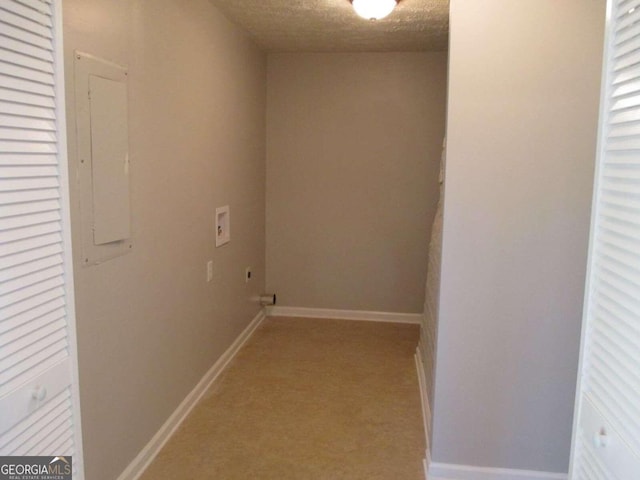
x: 626, y: 18
x: 627, y: 60
x: 624, y: 116
x: 625, y: 130
x: 28, y: 83
x: 630, y: 219
x: 626, y: 5
x: 22, y: 90
x: 64, y: 443
x: 30, y: 244
x: 60, y: 423
x: 33, y: 349
x: 624, y: 144
x: 626, y: 102
x: 629, y: 74
x: 14, y: 45
x: 29, y: 38
x: 27, y: 111
x: 32, y: 331
x: 618, y: 246
x: 17, y: 146
x: 30, y: 267
x: 26, y: 98
x: 625, y: 38
x: 42, y: 6
x: 616, y: 278
x: 25, y: 61
x: 625, y: 35
x: 28, y: 12
x: 11, y: 184
x: 27, y: 123
x: 58, y: 439
x: 619, y: 189
x: 10, y: 227
x: 26, y: 257
x: 20, y: 307
x: 47, y: 202
x: 624, y: 202
x: 23, y: 85
x: 627, y: 386
x: 628, y: 46
x: 619, y: 393
x: 26, y: 233
x: 24, y: 73
x: 16, y: 199
x: 11, y: 19
x: 30, y: 170
x: 12, y: 70
x: 37, y: 332
x: 48, y: 308
x: 40, y: 322
x: 627, y: 86
x: 35, y: 352
x: 26, y: 292
x: 25, y: 135
x: 26, y: 159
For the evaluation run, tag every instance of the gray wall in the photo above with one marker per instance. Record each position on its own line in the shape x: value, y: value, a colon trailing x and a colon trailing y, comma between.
x: 149, y: 325
x: 353, y: 146
x: 522, y: 116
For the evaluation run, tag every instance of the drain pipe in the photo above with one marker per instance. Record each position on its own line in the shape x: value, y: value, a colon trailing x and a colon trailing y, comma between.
x: 267, y: 299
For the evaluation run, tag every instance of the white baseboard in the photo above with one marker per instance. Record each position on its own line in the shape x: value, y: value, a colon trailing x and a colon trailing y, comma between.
x: 426, y: 409
x: 390, y: 317
x: 424, y: 395
x: 444, y: 471
x: 139, y: 464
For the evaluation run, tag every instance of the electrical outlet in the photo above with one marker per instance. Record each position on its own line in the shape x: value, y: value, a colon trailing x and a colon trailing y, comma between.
x: 223, y: 225
x: 247, y: 274
x: 209, y: 270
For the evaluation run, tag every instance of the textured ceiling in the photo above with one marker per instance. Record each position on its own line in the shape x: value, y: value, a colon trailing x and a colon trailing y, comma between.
x: 333, y: 26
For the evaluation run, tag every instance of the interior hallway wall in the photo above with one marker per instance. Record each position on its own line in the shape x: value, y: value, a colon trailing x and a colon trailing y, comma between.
x: 149, y: 325
x: 353, y: 150
x: 521, y: 139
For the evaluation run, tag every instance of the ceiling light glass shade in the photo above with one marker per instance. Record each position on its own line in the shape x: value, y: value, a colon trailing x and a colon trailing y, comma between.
x: 374, y: 9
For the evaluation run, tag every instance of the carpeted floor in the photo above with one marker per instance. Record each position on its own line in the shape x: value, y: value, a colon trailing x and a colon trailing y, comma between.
x: 307, y: 399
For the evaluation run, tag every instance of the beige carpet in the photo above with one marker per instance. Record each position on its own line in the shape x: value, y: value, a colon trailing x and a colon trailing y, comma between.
x: 307, y: 399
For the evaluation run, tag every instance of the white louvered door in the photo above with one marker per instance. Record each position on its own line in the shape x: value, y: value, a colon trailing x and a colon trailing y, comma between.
x: 606, y: 443
x: 39, y: 410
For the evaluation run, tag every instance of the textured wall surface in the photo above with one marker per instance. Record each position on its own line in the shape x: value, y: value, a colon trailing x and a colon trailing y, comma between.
x: 353, y: 151
x: 429, y: 330
x: 333, y: 26
x: 521, y: 138
x: 149, y: 326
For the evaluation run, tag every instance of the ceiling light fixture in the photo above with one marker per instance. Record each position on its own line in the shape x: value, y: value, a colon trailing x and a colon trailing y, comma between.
x: 374, y: 9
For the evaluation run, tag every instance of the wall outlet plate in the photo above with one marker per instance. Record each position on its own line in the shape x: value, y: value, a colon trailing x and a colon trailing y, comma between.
x: 209, y: 270
x: 223, y: 225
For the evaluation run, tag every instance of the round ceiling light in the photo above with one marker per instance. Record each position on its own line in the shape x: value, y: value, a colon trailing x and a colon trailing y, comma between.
x: 374, y: 9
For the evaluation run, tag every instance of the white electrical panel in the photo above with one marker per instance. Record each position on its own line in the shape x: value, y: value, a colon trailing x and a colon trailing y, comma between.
x: 109, y: 160
x: 102, y: 162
